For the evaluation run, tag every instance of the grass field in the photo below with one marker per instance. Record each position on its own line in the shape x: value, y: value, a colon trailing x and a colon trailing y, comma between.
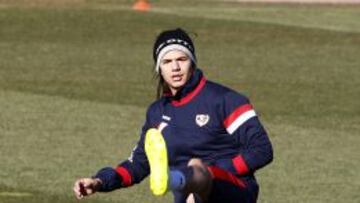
x: 76, y: 79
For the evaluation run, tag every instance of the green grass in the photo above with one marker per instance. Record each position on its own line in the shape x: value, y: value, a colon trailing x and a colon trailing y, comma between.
x: 345, y: 18
x: 75, y: 83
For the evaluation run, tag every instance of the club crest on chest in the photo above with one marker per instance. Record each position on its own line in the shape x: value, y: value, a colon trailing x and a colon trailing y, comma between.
x: 202, y: 119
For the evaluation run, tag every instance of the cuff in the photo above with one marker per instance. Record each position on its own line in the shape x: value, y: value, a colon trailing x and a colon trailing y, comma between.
x: 240, y: 165
x: 109, y: 178
x: 236, y: 165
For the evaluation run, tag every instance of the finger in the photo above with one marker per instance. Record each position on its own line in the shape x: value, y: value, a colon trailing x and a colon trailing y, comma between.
x: 80, y: 196
x: 89, y: 191
x: 76, y: 187
x: 85, y: 182
x: 76, y: 190
x: 77, y: 194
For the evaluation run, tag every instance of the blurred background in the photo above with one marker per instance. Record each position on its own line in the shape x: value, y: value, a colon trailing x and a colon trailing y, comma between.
x: 76, y: 77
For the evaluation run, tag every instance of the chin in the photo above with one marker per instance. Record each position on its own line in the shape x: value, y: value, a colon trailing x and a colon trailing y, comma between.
x: 178, y: 85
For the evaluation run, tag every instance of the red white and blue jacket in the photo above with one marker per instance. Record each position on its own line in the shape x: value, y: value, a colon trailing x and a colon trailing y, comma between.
x: 204, y: 120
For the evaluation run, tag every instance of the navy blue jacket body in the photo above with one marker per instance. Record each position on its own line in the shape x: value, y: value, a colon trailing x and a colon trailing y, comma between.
x: 204, y: 120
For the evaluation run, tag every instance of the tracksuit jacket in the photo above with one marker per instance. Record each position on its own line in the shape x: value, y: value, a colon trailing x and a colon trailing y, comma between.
x: 203, y: 120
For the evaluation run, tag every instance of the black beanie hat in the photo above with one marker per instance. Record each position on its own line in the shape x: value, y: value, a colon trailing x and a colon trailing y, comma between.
x: 169, y: 40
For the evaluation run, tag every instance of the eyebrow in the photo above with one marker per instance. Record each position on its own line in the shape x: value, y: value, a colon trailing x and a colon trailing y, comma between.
x: 177, y: 58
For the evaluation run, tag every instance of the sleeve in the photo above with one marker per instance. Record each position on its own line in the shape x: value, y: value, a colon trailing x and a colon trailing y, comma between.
x: 240, y: 120
x: 129, y: 172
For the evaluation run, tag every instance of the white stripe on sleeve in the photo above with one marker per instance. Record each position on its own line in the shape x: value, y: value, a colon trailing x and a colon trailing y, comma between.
x: 240, y: 120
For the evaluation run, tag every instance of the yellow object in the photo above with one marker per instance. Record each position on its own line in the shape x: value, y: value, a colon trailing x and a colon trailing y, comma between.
x: 156, y: 152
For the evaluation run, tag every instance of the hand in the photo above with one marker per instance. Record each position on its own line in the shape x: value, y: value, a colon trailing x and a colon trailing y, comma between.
x: 85, y: 187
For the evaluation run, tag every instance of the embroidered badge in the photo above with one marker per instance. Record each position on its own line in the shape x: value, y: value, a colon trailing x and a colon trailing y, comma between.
x: 202, y: 119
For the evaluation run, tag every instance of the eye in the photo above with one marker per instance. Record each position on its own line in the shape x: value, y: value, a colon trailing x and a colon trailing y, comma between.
x: 165, y: 61
x: 183, y: 58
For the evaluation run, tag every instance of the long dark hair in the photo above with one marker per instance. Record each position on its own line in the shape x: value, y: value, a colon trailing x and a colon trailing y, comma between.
x: 161, y: 85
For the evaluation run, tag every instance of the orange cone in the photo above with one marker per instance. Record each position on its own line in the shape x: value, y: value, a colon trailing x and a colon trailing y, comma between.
x: 141, y: 5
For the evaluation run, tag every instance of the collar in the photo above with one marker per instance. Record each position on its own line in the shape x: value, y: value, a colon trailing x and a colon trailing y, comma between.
x: 192, y: 88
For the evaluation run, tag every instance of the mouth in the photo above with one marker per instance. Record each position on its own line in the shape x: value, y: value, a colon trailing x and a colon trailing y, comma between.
x: 177, y: 77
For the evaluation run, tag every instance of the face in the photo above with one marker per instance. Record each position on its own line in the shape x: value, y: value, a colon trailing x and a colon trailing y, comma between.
x: 175, y: 68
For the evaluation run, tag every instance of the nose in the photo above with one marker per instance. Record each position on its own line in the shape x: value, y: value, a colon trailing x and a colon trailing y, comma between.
x: 175, y: 66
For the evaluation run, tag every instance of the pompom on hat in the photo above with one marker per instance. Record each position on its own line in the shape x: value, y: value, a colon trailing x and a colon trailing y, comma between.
x: 170, y: 40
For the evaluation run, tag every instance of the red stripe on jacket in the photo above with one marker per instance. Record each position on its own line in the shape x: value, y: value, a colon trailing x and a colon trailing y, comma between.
x: 220, y: 174
x: 236, y: 113
x: 191, y: 95
x: 125, y: 175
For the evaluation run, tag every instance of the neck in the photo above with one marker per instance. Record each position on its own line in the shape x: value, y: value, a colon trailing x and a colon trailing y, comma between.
x: 173, y: 91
